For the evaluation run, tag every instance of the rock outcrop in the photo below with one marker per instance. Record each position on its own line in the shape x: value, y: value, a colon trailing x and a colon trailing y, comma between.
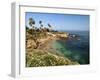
x: 31, y: 43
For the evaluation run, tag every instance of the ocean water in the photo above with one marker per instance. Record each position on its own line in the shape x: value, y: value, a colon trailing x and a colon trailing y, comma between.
x: 76, y: 49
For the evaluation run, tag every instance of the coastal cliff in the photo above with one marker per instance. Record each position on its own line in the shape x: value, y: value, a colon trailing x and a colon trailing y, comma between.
x: 31, y: 43
x: 39, y: 46
x: 39, y: 51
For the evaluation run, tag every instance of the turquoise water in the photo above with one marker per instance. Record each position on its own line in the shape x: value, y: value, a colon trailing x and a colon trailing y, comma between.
x: 75, y: 49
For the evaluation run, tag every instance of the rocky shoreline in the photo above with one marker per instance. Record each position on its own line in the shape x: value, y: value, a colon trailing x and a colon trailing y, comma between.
x: 42, y: 48
x: 50, y: 37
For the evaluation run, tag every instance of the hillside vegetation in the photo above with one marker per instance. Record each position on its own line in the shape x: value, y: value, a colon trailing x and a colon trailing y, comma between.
x: 38, y: 47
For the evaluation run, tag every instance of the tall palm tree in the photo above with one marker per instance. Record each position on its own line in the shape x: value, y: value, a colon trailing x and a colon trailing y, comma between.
x: 32, y: 25
x: 40, y: 22
x: 50, y: 27
x: 31, y: 22
x: 41, y: 25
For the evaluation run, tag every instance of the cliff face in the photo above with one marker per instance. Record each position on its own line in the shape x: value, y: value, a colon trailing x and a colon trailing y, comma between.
x: 62, y: 36
x: 40, y: 53
x: 31, y: 43
x: 58, y: 34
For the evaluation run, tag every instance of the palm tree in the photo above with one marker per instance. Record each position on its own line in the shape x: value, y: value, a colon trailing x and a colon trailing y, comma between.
x: 41, y: 25
x: 50, y: 27
x: 32, y: 25
x: 40, y: 22
x: 31, y: 22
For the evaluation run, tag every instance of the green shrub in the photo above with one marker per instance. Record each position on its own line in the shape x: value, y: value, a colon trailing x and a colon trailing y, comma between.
x: 37, y: 58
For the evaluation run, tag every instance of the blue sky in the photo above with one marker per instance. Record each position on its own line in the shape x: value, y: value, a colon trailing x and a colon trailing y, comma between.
x: 60, y: 21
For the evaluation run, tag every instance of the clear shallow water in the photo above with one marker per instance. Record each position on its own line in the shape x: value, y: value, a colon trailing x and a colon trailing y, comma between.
x: 75, y: 49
